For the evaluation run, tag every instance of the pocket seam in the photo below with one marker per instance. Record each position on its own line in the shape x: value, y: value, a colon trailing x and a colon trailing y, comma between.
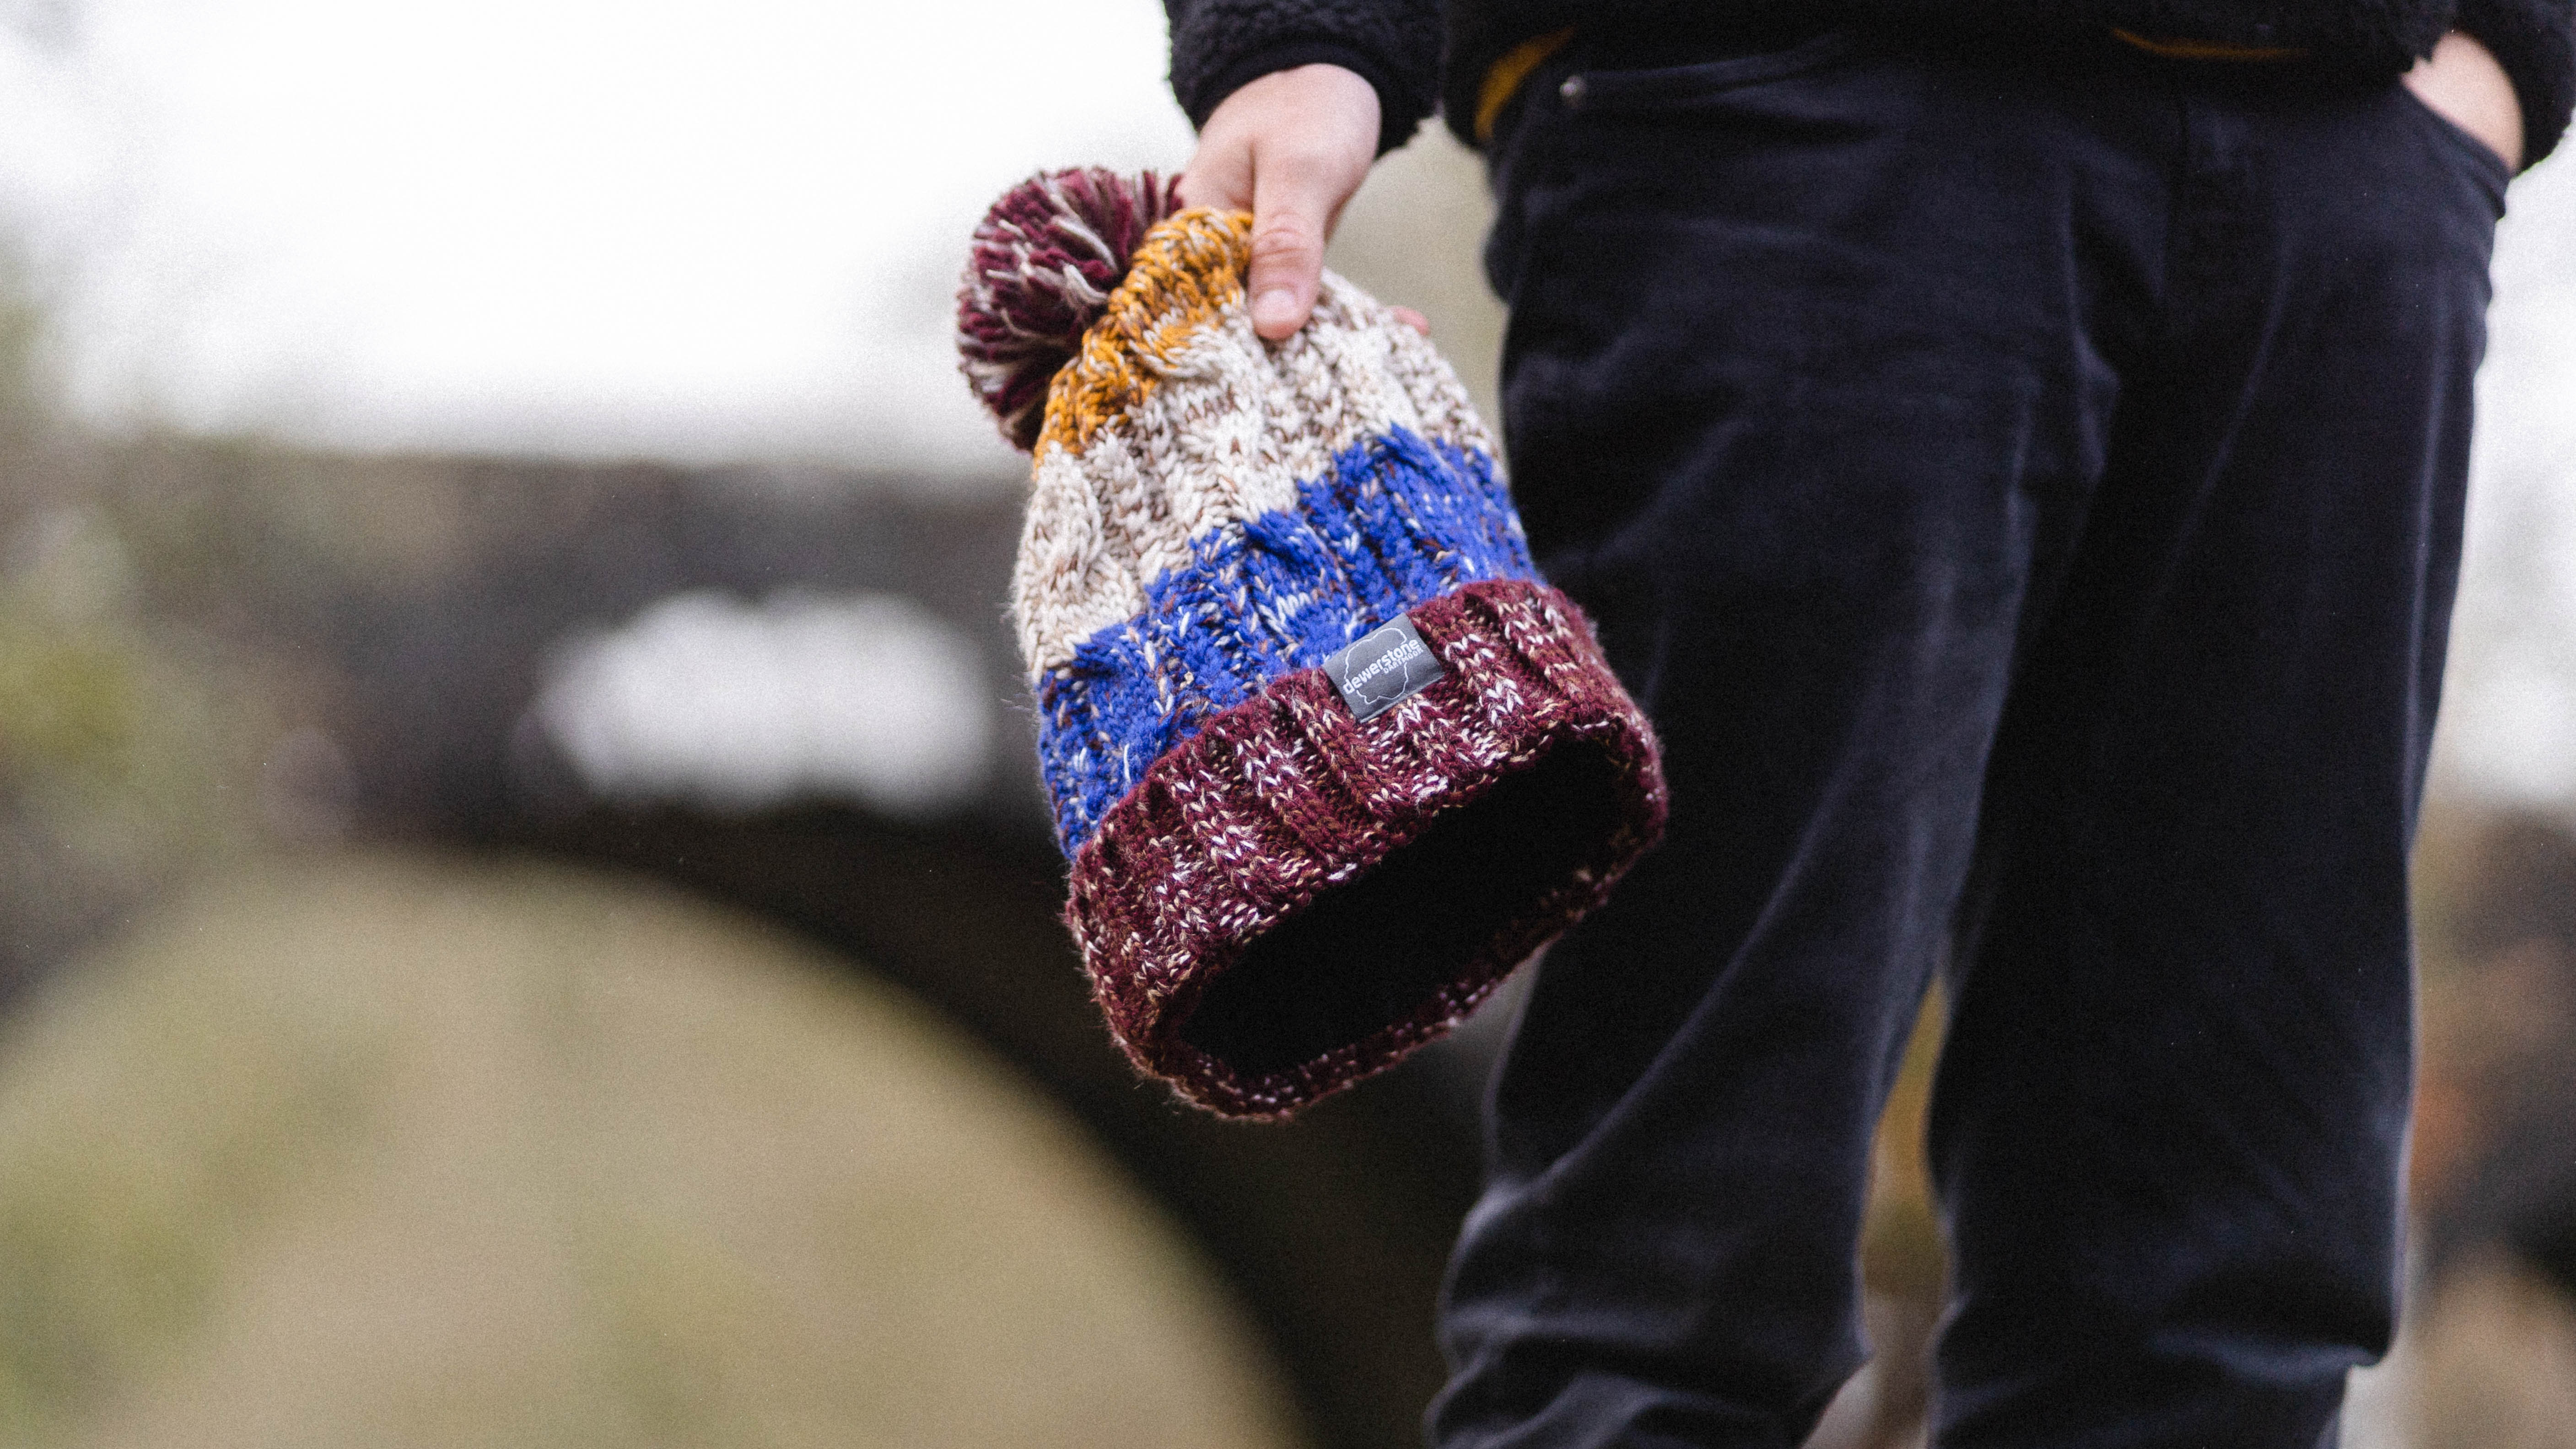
x: 1623, y: 90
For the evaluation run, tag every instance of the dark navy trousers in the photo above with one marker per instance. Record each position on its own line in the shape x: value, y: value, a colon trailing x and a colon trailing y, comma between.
x: 2023, y: 484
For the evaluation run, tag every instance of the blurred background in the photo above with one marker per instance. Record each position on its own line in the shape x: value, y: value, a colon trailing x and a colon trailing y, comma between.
x: 525, y: 914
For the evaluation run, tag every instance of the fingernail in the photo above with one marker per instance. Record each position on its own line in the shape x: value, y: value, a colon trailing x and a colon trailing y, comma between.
x: 1274, y: 307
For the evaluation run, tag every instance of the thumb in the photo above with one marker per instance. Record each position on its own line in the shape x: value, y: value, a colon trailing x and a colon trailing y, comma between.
x: 1290, y: 205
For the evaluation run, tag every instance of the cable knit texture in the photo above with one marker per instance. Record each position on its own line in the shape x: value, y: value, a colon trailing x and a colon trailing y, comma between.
x: 1276, y: 894
x: 1218, y: 45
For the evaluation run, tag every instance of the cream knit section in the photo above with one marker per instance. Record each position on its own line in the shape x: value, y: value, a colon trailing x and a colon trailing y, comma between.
x: 1228, y: 431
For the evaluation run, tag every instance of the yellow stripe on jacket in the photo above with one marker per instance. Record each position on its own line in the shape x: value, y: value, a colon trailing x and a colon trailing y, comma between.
x: 1504, y: 77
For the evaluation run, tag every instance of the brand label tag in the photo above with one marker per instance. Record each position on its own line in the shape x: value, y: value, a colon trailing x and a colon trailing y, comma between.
x: 1388, y: 665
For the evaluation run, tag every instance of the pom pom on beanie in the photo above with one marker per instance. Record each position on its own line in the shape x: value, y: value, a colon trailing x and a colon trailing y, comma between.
x: 1042, y: 267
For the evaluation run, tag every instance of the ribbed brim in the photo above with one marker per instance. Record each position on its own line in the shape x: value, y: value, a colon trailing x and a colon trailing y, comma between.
x: 1294, y: 898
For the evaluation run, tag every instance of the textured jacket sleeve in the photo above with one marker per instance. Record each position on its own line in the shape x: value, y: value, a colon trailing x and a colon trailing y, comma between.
x: 1220, y: 45
x: 2535, y: 41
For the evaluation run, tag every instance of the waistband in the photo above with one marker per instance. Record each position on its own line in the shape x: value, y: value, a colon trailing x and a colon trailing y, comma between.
x: 2180, y: 47
x: 1505, y: 77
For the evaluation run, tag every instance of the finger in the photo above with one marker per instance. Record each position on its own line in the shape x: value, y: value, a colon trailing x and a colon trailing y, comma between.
x: 1219, y: 174
x: 1289, y: 204
x: 1412, y: 319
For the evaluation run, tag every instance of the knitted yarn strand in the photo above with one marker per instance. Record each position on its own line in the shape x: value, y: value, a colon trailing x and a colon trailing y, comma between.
x: 1039, y: 272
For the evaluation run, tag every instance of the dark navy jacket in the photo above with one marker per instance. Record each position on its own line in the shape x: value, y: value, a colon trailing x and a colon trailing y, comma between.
x: 1422, y: 54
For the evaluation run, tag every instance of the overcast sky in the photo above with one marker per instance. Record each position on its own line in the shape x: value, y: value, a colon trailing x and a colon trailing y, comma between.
x: 581, y: 226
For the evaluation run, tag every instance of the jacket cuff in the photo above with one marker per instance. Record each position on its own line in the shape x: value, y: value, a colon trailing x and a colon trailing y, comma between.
x: 1399, y: 112
x: 2535, y: 41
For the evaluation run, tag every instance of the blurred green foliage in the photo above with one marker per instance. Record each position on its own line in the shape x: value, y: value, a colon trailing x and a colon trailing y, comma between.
x: 128, y: 753
x: 68, y: 701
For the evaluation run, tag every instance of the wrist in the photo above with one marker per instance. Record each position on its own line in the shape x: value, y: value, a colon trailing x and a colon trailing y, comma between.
x: 2535, y: 43
x: 1396, y: 123
x: 2464, y: 83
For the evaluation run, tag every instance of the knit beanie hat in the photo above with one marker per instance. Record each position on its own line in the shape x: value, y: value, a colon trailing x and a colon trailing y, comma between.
x: 1328, y: 756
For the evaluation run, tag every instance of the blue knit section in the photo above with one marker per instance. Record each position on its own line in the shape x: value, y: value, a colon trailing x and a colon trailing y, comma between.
x: 1396, y: 521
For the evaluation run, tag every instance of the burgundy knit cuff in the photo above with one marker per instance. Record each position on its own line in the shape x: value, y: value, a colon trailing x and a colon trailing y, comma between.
x: 1294, y: 899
